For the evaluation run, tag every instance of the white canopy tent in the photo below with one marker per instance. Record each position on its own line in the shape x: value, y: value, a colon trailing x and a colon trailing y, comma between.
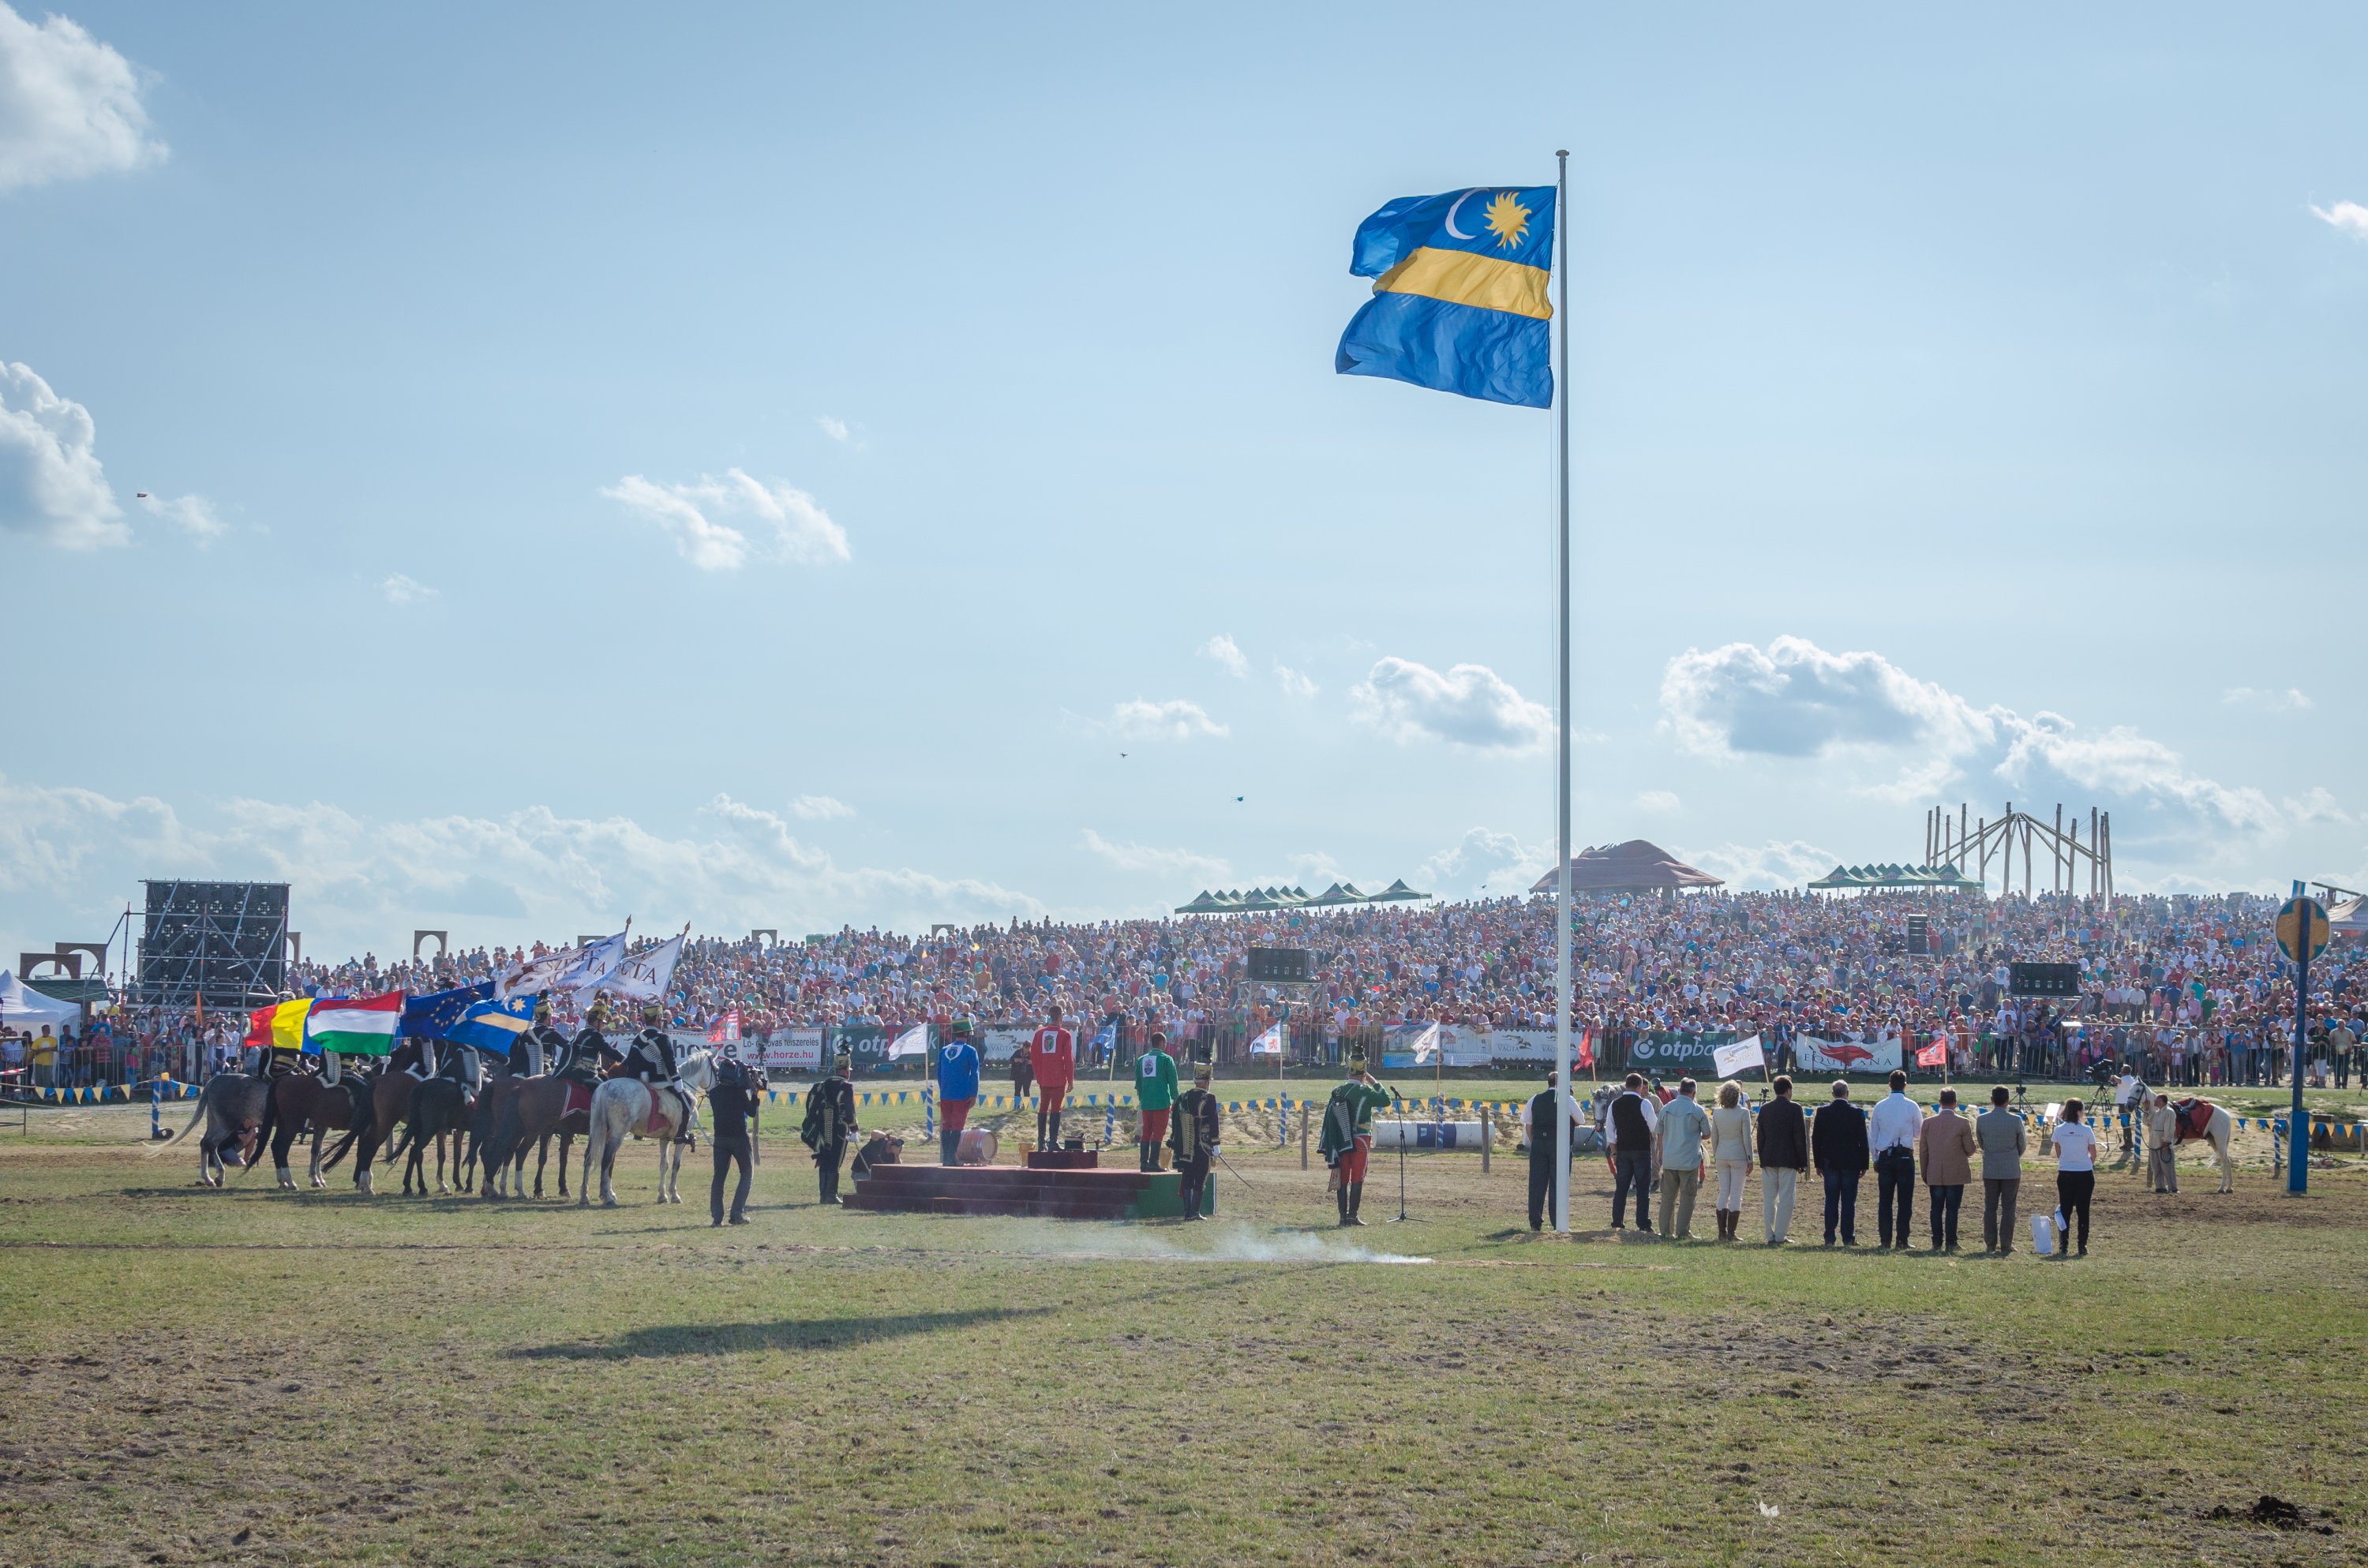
x: 2349, y: 918
x: 22, y: 1007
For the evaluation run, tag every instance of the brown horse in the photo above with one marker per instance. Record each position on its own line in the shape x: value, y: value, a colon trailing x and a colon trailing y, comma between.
x: 540, y: 1108
x: 302, y: 1102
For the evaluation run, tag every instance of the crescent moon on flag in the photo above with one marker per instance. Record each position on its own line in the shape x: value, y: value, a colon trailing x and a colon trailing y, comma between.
x: 1452, y: 231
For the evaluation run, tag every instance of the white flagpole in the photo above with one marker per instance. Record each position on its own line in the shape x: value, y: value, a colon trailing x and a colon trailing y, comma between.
x: 1562, y: 705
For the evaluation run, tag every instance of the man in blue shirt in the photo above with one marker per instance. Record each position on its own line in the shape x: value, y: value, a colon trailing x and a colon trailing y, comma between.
x: 957, y: 1089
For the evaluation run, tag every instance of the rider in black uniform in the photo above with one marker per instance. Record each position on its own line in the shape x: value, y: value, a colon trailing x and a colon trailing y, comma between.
x: 652, y: 1060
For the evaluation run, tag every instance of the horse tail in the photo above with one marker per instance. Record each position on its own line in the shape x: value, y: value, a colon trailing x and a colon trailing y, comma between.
x: 205, y: 1100
x: 338, y: 1150
x: 270, y: 1118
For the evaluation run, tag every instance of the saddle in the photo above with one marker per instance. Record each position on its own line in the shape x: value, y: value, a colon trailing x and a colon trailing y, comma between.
x: 659, y: 1094
x: 2195, y: 1118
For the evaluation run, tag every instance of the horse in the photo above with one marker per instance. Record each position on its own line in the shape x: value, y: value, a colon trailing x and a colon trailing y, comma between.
x: 543, y: 1105
x: 439, y: 1107
x: 390, y: 1093
x: 232, y: 1106
x: 302, y: 1102
x: 2216, y: 1128
x: 627, y: 1106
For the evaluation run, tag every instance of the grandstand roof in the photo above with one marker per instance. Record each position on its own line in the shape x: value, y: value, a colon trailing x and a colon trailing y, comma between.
x: 1263, y: 900
x: 1638, y: 866
x: 1895, y: 876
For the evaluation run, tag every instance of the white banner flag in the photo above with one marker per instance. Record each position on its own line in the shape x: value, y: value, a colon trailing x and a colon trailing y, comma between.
x: 1426, y: 1047
x: 1744, y: 1055
x: 569, y: 969
x: 1269, y: 1043
x: 645, y: 975
x: 914, y: 1042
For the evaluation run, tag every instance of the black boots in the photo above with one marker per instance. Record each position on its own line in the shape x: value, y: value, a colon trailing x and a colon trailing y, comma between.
x: 1356, y: 1201
x: 1341, y: 1192
x: 949, y: 1140
x: 1148, y: 1158
x: 1048, y: 1130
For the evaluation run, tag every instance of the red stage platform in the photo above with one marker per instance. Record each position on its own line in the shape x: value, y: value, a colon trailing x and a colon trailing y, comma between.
x: 1051, y: 1194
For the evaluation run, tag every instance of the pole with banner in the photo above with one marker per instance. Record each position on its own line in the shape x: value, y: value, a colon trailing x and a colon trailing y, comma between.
x: 2302, y: 937
x: 1561, y: 702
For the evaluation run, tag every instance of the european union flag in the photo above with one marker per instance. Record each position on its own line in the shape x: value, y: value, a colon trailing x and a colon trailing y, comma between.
x: 431, y: 1016
x: 1459, y: 294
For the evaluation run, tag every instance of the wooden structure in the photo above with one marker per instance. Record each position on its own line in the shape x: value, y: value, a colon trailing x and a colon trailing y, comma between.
x: 1976, y: 840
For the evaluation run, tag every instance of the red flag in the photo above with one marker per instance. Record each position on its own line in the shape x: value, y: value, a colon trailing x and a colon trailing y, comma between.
x: 725, y: 1030
x: 1933, y: 1055
x: 258, y: 1026
x: 1586, y: 1048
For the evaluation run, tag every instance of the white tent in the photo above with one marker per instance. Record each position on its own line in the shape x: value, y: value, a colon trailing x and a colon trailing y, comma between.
x: 22, y: 1007
x: 2349, y: 918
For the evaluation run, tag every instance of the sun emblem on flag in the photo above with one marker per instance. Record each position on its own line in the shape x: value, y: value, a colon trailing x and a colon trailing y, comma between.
x: 1508, y: 219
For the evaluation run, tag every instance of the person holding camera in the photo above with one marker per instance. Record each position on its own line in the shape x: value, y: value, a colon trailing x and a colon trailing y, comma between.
x: 733, y: 1103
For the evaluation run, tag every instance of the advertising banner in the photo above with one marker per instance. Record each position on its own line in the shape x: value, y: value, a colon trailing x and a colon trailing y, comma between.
x: 1812, y: 1054
x: 794, y: 1050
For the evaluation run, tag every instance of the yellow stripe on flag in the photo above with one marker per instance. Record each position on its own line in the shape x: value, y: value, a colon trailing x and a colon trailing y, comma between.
x: 288, y: 1024
x: 1461, y: 277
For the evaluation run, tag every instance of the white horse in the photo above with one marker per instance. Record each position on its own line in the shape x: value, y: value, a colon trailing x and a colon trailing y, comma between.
x: 627, y: 1107
x: 2132, y: 1095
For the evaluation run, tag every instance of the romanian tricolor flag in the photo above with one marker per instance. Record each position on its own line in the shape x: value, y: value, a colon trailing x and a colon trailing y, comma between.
x: 1459, y: 294
x: 280, y: 1027
x: 355, y: 1025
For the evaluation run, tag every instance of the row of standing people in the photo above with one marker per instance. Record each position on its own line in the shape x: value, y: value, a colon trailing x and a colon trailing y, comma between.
x: 1684, y: 1141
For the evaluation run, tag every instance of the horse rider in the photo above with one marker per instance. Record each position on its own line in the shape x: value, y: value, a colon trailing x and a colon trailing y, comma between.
x: 545, y: 1046
x: 830, y: 1122
x: 650, y: 1061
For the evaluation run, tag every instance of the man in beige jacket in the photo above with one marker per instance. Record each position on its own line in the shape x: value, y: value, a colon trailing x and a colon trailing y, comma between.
x: 1944, y: 1146
x: 2162, y: 1145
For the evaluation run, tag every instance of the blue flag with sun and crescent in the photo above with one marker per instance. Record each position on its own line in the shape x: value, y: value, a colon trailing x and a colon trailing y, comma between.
x: 1459, y: 294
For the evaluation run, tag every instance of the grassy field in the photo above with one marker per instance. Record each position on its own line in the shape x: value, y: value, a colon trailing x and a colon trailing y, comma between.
x: 315, y: 1377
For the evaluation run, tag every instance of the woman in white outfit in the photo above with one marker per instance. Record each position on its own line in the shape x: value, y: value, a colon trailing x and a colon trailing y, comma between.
x: 1730, y: 1146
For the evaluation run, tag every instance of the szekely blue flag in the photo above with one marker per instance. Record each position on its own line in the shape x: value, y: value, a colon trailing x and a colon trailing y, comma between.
x: 493, y: 1026
x: 1459, y: 294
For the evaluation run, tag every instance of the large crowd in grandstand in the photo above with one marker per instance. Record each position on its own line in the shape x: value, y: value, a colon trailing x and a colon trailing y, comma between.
x: 2187, y: 990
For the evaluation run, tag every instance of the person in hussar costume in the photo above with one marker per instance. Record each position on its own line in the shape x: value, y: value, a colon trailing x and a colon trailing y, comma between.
x: 1348, y: 1134
x: 1193, y: 1135
x: 829, y: 1123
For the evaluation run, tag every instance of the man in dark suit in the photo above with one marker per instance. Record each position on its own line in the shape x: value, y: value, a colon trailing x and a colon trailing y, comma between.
x: 1784, y: 1156
x: 1837, y: 1144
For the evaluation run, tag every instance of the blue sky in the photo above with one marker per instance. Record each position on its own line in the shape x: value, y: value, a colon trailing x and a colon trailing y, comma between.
x: 784, y: 469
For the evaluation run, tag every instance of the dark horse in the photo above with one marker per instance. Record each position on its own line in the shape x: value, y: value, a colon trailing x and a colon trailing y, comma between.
x: 543, y: 1105
x: 439, y: 1106
x: 305, y: 1101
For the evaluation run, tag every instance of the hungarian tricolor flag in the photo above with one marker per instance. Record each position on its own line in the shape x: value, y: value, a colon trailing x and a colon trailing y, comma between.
x: 355, y: 1025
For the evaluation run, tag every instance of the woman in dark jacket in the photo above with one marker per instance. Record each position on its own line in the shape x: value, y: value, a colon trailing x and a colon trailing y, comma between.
x: 1838, y: 1144
x: 1784, y: 1156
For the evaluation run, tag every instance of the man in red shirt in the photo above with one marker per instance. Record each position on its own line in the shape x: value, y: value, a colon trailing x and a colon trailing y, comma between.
x: 1053, y: 1054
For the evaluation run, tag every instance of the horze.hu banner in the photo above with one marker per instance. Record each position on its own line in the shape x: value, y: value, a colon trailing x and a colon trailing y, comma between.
x: 1812, y: 1054
x: 794, y: 1050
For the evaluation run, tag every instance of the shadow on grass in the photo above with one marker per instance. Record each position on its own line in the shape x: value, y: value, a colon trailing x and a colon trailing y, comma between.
x: 785, y: 1333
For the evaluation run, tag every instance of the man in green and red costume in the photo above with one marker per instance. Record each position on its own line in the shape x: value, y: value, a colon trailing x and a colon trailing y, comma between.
x: 1155, y: 1096
x: 1348, y: 1134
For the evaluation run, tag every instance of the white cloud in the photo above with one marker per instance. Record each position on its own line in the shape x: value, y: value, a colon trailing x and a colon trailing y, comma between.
x: 1797, y: 701
x: 69, y: 105
x: 1470, y: 705
x: 51, y: 485
x: 1294, y: 684
x: 401, y: 591
x: 2290, y: 701
x: 801, y: 530
x: 357, y: 882
x: 2347, y: 216
x: 2317, y: 805
x: 1778, y: 863
x: 1657, y: 800
x: 193, y: 514
x: 1227, y: 654
x: 1182, y: 863
x: 1499, y: 862
x: 819, y: 808
x: 1176, y: 719
x: 834, y: 428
